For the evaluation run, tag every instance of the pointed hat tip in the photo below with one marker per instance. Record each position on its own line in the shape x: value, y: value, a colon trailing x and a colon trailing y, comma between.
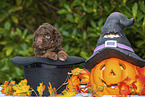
x: 123, y: 20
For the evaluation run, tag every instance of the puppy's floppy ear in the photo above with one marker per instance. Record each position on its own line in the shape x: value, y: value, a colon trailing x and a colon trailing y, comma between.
x: 57, y: 37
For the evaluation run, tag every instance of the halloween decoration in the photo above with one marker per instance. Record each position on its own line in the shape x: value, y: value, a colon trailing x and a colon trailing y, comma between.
x: 51, y: 63
x: 39, y: 69
x: 113, y: 60
x: 110, y: 72
x: 47, y: 43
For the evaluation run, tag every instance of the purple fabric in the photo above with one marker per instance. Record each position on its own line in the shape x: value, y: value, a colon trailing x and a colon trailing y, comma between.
x: 124, y: 47
x: 119, y: 45
x: 99, y: 47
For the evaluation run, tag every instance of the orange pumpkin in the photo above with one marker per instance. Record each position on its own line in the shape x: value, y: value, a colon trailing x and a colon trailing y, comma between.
x: 110, y: 73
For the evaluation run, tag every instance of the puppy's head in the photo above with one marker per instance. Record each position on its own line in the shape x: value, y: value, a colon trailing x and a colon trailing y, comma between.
x: 46, y: 37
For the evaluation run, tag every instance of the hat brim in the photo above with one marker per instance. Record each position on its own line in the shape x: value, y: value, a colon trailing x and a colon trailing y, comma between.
x: 25, y: 61
x: 109, y: 52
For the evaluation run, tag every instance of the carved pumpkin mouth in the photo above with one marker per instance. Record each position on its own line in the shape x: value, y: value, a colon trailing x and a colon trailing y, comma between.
x: 109, y: 86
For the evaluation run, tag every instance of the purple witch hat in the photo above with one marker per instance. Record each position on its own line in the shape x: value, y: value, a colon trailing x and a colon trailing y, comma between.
x: 113, y: 43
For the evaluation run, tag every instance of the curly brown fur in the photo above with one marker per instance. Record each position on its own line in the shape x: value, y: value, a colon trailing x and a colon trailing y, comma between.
x: 47, y: 43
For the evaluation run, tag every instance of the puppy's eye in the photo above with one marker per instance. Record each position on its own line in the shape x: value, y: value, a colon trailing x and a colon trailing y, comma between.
x: 47, y: 36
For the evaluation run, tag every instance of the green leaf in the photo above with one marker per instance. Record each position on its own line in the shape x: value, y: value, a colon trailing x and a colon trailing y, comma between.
x: 84, y: 35
x: 140, y: 16
x: 134, y: 9
x: 65, y: 33
x: 3, y: 42
x: 70, y: 17
x: 23, y: 53
x: 84, y: 54
x: 93, y: 24
x: 18, y: 2
x: 14, y: 9
x: 15, y: 19
x: 24, y: 46
x: 28, y: 3
x: 66, y: 6
x: 62, y: 11
x: 95, y: 5
x: 7, y: 25
x: 140, y: 43
x: 76, y: 2
x: 3, y: 31
x: 9, y: 51
x: 74, y: 31
x: 25, y: 32
x: 2, y: 17
x: 30, y: 36
x: 93, y: 35
x: 100, y: 22
x: 143, y: 23
x: 19, y: 32
x: 88, y: 9
x: 142, y: 6
x: 18, y: 71
x: 5, y: 68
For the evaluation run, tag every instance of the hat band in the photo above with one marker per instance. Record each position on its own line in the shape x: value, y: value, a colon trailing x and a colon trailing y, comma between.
x: 113, y: 44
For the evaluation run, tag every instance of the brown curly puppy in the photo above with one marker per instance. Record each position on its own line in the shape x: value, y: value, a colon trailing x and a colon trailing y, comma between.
x: 47, y: 43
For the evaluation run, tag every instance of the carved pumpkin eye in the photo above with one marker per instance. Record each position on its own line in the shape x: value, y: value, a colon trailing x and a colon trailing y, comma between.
x: 122, y: 66
x: 47, y: 36
x: 103, y: 67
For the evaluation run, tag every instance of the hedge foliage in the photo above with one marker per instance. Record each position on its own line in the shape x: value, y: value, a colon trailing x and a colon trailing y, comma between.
x: 79, y: 21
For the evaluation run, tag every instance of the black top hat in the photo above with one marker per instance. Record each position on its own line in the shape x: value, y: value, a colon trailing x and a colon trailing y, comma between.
x: 113, y: 43
x: 26, y: 61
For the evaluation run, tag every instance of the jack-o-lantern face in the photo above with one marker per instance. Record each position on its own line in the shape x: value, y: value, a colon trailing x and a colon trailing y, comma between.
x: 110, y: 73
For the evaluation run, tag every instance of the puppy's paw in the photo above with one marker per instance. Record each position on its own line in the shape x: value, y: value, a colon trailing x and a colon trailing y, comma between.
x: 50, y: 55
x: 53, y: 56
x: 62, y: 55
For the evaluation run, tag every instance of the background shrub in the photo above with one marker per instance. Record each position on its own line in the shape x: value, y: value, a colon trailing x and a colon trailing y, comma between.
x: 79, y: 21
